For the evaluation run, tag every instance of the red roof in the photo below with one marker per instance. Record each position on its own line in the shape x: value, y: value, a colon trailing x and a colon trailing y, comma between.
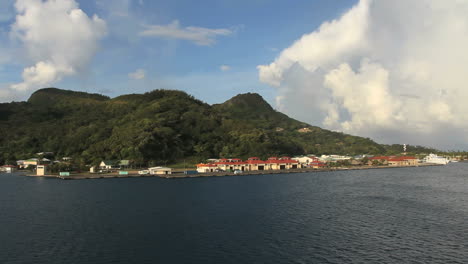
x: 393, y: 158
x: 206, y: 165
x: 279, y: 161
x: 402, y: 158
x: 256, y: 161
x: 318, y: 163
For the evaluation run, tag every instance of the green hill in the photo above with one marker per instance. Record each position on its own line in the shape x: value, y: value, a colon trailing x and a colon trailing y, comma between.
x: 162, y: 126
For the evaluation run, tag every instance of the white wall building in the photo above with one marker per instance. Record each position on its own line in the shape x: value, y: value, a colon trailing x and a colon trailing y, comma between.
x: 160, y: 170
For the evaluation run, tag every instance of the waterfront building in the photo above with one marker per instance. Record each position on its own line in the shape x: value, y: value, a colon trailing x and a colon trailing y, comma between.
x: 305, y: 161
x: 317, y: 164
x: 206, y: 167
x: 8, y: 168
x: 160, y: 170
x: 334, y: 158
x: 394, y: 160
x: 109, y: 164
x: 41, y: 170
x: 124, y: 164
x: 24, y: 164
x: 403, y: 161
x: 251, y: 164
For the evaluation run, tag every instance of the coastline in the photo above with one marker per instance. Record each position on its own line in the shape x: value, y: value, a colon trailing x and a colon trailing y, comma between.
x: 181, y: 175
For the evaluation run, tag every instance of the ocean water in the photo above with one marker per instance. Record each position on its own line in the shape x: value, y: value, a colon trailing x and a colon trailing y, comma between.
x: 408, y: 215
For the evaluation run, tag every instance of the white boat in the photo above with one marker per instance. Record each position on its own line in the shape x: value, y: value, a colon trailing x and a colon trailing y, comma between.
x: 433, y: 158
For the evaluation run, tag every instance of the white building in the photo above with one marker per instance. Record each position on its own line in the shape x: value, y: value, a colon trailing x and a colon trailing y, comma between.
x: 109, y: 164
x: 333, y: 158
x: 41, y: 170
x: 8, y: 168
x: 160, y: 170
x: 305, y: 160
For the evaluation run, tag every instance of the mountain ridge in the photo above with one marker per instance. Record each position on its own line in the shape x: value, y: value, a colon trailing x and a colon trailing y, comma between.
x: 161, y: 126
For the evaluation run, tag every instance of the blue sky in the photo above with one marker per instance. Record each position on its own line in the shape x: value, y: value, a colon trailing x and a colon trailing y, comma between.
x: 391, y: 70
x: 259, y: 30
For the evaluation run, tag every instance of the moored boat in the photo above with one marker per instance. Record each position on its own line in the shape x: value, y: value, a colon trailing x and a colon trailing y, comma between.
x: 433, y: 158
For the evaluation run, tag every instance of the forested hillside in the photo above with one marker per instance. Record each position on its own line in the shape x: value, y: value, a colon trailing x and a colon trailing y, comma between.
x: 161, y: 126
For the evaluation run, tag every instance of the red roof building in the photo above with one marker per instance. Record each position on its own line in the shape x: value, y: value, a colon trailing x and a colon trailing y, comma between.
x: 252, y: 164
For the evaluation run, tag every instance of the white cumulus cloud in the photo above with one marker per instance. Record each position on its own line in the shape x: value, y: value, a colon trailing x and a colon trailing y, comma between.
x: 59, y: 39
x: 394, y: 70
x: 198, y: 35
x: 139, y: 74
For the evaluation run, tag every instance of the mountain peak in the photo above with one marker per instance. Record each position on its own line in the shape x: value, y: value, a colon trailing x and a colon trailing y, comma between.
x: 248, y: 101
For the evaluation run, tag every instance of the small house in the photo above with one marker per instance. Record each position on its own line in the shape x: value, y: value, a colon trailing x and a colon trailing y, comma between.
x: 109, y: 164
x: 160, y: 170
x: 124, y: 164
x: 208, y: 167
x: 24, y: 164
x: 41, y: 170
x: 8, y: 168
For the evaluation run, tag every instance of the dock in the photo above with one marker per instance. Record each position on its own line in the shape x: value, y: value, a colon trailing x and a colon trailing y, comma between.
x: 181, y: 175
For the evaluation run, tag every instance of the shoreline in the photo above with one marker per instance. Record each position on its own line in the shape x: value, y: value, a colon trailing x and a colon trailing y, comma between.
x: 221, y: 174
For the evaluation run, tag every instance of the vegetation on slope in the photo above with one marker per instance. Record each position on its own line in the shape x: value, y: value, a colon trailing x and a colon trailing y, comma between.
x: 159, y: 127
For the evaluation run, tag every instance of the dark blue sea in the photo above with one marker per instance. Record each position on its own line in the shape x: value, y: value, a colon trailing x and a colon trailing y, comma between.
x: 408, y: 215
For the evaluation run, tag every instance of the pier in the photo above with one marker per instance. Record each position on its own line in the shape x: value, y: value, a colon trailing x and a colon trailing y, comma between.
x: 181, y: 175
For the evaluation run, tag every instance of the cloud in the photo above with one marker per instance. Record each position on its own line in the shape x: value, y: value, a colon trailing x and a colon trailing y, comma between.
x: 59, y: 39
x: 393, y: 70
x: 139, y: 74
x: 224, y: 68
x: 198, y: 35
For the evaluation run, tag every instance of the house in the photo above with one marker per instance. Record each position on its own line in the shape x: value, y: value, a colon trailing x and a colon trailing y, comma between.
x: 304, y: 130
x: 333, y: 158
x: 41, y: 170
x: 403, y: 161
x: 283, y: 163
x: 251, y: 164
x: 230, y: 164
x: 45, y: 153
x: 8, y: 168
x: 160, y: 170
x: 394, y: 160
x: 24, y: 164
x: 206, y: 167
x: 304, y: 161
x: 254, y: 164
x: 124, y: 164
x: 317, y: 164
x: 109, y: 164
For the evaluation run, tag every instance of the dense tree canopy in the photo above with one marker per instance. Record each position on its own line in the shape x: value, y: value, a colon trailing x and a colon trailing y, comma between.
x: 161, y: 126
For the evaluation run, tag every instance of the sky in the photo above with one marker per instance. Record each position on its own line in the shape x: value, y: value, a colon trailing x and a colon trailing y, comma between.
x: 391, y: 70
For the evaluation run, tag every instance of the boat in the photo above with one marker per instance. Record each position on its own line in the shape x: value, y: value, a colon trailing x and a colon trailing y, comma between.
x: 433, y: 158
